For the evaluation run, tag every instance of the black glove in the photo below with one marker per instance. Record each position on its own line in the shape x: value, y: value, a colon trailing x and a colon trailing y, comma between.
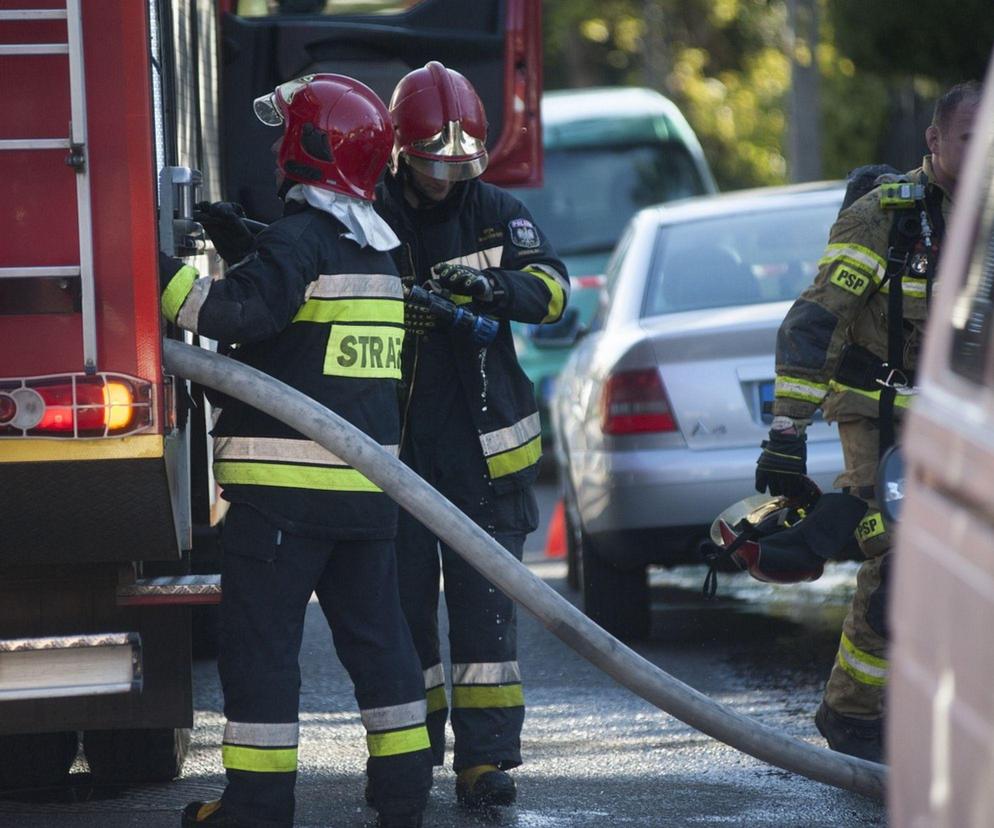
x: 782, y: 464
x: 418, y: 318
x: 168, y: 267
x: 222, y: 221
x: 465, y: 280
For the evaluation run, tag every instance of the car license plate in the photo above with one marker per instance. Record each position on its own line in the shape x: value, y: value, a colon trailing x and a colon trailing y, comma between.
x: 766, y: 401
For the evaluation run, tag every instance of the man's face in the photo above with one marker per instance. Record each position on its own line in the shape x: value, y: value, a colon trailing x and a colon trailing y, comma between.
x: 948, y: 145
x: 433, y: 189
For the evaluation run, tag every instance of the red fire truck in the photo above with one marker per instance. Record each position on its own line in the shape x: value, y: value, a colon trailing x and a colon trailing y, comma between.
x: 116, y: 117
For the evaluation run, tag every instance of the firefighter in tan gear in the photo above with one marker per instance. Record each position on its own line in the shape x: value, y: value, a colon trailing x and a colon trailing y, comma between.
x: 318, y: 304
x: 850, y: 345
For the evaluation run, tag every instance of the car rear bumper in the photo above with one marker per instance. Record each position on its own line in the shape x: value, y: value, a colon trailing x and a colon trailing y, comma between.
x: 673, y: 489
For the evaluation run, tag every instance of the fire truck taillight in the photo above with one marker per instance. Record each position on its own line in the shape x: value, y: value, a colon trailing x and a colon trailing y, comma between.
x: 75, y: 405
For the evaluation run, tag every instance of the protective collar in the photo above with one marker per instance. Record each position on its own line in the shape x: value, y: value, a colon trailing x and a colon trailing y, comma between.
x: 365, y: 227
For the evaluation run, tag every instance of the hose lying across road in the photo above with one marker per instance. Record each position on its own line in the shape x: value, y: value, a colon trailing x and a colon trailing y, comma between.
x: 500, y: 567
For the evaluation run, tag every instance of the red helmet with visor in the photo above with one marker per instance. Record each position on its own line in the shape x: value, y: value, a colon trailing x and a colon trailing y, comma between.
x: 337, y: 133
x: 440, y: 124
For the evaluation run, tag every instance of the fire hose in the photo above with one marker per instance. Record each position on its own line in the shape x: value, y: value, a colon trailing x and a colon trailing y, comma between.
x: 481, y: 551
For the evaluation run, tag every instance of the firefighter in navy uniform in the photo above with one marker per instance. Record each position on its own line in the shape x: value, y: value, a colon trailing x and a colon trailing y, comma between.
x: 317, y: 304
x: 471, y: 422
x: 850, y: 345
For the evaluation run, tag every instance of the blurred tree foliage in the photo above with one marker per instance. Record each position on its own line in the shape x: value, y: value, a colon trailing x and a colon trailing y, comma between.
x: 727, y: 65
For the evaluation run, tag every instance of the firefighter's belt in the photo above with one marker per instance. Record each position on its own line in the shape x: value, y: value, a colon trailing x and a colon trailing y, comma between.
x: 861, y: 368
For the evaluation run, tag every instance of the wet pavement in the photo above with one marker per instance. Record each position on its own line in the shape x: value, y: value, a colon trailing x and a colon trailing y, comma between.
x: 596, y: 755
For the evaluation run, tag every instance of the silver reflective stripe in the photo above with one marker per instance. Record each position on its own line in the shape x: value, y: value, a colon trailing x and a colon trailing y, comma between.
x: 355, y: 285
x: 262, y: 734
x: 481, y: 259
x: 279, y: 450
x: 496, y: 672
x: 376, y: 719
x: 189, y: 312
x: 505, y: 439
x: 434, y: 677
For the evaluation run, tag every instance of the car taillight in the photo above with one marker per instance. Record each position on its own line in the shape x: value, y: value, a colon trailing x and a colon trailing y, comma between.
x: 75, y: 405
x: 634, y: 402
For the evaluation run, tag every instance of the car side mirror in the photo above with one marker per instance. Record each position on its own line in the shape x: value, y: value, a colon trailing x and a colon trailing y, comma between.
x: 561, y: 334
x: 890, y: 484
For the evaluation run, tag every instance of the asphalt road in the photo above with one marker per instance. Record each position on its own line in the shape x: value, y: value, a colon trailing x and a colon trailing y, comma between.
x: 595, y: 755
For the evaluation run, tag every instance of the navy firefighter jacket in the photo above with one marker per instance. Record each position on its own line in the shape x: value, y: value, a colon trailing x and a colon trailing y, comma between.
x: 323, y: 315
x: 486, y: 228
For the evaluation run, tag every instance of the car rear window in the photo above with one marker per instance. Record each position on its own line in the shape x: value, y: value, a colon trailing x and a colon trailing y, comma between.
x: 590, y: 192
x: 746, y: 259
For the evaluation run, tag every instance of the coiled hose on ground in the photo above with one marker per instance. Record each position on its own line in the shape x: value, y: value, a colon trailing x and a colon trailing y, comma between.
x: 560, y: 617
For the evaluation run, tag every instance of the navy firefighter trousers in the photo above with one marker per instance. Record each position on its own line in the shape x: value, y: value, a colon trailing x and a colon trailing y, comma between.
x: 267, y: 579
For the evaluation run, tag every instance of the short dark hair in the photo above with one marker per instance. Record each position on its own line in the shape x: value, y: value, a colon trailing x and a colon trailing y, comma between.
x: 946, y: 106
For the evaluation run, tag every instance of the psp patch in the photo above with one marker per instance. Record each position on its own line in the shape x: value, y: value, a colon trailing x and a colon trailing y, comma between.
x: 523, y: 233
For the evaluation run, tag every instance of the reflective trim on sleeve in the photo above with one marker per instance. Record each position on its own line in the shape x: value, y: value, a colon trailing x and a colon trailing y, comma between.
x: 480, y: 259
x: 355, y: 286
x: 796, y: 388
x: 436, y: 699
x: 501, y: 465
x: 259, y: 760
x: 900, y: 400
x: 291, y: 476
x: 398, y: 741
x: 480, y: 696
x: 863, y: 667
x: 394, y: 716
x: 176, y: 291
x: 261, y: 734
x: 388, y: 311
x: 512, y: 436
x: 434, y: 676
x: 189, y: 313
x: 494, y: 672
x: 279, y: 450
x: 858, y: 257
x: 911, y: 287
x: 558, y: 290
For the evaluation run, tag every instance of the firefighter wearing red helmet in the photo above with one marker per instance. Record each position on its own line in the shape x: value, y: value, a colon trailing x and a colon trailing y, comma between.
x: 316, y: 302
x: 471, y: 424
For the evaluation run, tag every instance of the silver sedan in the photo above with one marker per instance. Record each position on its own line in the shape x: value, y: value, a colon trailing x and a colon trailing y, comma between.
x: 659, y: 413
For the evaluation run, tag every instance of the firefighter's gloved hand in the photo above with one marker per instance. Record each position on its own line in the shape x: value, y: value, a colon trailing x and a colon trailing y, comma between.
x: 465, y: 280
x: 783, y: 462
x: 168, y: 267
x: 222, y: 221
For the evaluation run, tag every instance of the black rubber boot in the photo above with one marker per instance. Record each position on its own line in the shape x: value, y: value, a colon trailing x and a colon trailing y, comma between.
x: 399, y: 821
x: 484, y: 785
x: 857, y: 737
x: 208, y: 813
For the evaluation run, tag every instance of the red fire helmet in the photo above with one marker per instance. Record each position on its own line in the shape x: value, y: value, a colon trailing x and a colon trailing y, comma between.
x: 337, y: 133
x: 440, y: 125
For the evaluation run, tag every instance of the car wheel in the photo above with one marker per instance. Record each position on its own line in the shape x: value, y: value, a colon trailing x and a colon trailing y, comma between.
x: 616, y: 599
x: 122, y: 757
x: 36, y: 760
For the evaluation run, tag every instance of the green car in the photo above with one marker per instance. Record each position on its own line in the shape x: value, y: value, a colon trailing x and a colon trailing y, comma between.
x: 607, y: 153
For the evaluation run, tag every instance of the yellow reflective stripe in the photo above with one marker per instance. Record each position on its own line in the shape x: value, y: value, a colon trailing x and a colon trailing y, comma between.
x: 476, y: 696
x: 871, y: 526
x: 900, y: 400
x: 860, y: 258
x: 370, y: 351
x: 351, y: 310
x: 557, y: 300
x: 259, y: 760
x: 501, y: 465
x: 16, y: 450
x: 290, y: 476
x: 512, y: 436
x: 398, y: 741
x: 796, y: 388
x: 863, y: 667
x: 176, y: 291
x: 911, y: 287
x: 436, y: 699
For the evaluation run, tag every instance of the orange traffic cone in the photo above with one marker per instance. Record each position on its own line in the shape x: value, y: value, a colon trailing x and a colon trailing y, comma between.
x: 555, y: 539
